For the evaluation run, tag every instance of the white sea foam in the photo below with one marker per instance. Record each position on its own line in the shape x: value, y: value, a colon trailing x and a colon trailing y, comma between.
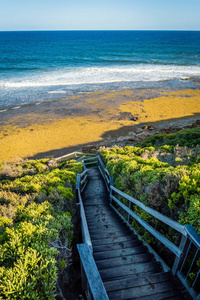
x: 16, y: 107
x: 98, y: 75
x: 57, y: 92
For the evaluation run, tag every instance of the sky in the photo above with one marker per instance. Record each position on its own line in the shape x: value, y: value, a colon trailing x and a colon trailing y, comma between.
x: 99, y: 15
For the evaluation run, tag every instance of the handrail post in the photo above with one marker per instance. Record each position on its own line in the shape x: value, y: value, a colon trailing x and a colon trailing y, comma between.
x: 178, y: 260
x: 128, y: 213
x: 78, y: 178
x: 84, y: 283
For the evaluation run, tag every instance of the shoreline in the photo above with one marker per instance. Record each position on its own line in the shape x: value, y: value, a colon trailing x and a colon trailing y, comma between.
x: 98, y: 117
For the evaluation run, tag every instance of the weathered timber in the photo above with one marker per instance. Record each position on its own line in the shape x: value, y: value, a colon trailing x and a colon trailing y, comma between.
x: 153, y: 212
x: 96, y: 286
x: 127, y: 269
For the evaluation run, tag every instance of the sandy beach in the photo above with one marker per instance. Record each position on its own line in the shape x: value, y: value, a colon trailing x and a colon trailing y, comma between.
x: 57, y: 127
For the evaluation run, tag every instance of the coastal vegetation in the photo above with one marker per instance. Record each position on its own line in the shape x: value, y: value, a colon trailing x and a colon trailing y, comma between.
x: 36, y: 230
x: 163, y: 172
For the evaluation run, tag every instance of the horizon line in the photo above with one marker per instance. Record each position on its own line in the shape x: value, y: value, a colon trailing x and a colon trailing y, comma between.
x: 34, y: 30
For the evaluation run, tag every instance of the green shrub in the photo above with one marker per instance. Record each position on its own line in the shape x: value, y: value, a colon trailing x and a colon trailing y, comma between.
x: 168, y: 187
x: 35, y: 229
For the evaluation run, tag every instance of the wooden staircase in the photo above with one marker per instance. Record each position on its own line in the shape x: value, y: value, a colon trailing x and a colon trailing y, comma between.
x: 126, y: 267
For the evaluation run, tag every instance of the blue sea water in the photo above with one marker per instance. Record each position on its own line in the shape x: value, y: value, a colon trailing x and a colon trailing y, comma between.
x: 41, y: 65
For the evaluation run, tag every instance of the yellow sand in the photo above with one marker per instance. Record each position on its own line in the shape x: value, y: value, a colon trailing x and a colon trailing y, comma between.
x: 62, y: 134
x: 171, y: 105
x: 34, y: 139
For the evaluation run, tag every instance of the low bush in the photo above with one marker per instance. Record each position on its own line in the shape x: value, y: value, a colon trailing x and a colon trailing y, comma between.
x: 35, y: 228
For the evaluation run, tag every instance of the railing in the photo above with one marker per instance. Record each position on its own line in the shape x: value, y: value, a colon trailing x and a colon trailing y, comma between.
x: 92, y: 284
x: 76, y: 154
x: 187, y: 254
x: 91, y: 279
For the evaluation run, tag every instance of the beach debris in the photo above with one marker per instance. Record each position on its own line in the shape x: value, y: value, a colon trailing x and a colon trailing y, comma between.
x: 147, y: 127
x: 134, y: 118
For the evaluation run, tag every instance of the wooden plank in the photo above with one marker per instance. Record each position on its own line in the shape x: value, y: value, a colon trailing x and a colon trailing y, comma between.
x: 112, y: 240
x: 119, y: 284
x: 191, y: 291
x: 170, y: 295
x: 78, y: 178
x: 83, y: 173
x: 108, y: 231
x: 127, y: 270
x: 90, y: 158
x: 84, y: 179
x: 94, y: 280
x: 108, y: 222
x: 152, y: 212
x: 116, y: 246
x: 91, y: 163
x: 146, y: 290
x: 116, y: 253
x: 194, y: 236
x: 100, y: 214
x: 110, y: 234
x: 80, y: 158
x: 105, y: 229
x: 84, y: 226
x: 183, y: 246
x: 123, y: 260
x: 98, y: 219
x: 153, y: 231
x: 65, y: 157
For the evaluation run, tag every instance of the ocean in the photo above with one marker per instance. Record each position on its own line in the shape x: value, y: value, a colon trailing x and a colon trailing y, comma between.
x: 39, y: 66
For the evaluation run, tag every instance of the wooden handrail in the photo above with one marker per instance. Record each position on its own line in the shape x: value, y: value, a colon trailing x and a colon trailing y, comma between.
x: 69, y: 155
x: 175, y: 225
x: 153, y: 231
x: 84, y: 226
x: 94, y: 281
x: 189, y: 234
x: 194, y: 236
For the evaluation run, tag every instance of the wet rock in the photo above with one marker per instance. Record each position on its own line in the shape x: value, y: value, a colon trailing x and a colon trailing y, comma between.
x: 89, y: 149
x: 147, y: 127
x: 132, y: 134
x: 138, y: 131
x: 195, y: 124
x: 124, y: 116
x: 143, y: 135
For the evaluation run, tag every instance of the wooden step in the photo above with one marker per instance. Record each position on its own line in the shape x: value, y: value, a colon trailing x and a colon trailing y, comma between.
x: 117, y: 246
x: 129, y: 270
x: 106, y: 224
x: 105, y: 229
x: 162, y: 290
x: 124, y: 260
x: 95, y: 235
x: 111, y: 240
x: 108, y: 232
x: 99, y: 217
x: 111, y: 234
x: 103, y: 220
x: 113, y: 225
x: 170, y: 295
x: 121, y: 252
x: 151, y: 279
